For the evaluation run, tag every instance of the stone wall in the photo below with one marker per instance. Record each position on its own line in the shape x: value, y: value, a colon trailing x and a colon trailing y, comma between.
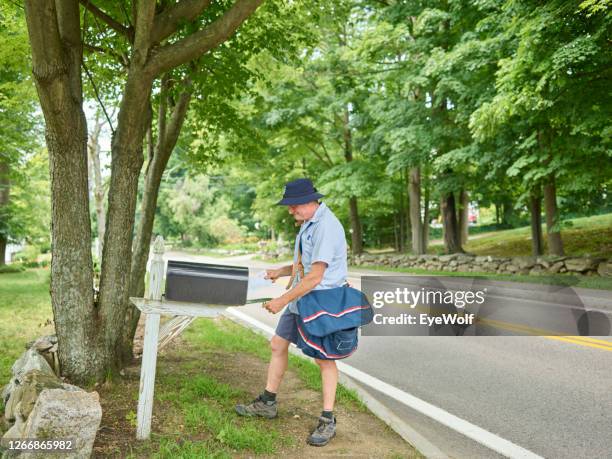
x: 488, y: 264
x: 39, y: 405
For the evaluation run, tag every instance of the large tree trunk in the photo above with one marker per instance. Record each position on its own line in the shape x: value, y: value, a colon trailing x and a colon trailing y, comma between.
x: 96, y: 175
x: 127, y: 159
x: 56, y: 66
x: 535, y: 211
x: 356, y: 237
x: 167, y: 135
x: 555, y: 244
x: 507, y: 212
x: 356, y: 231
x: 464, y: 212
x: 414, y: 193
x: 4, y: 201
x: 426, y: 217
x: 452, y: 236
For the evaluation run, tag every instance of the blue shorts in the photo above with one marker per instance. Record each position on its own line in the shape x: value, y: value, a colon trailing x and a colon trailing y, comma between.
x: 287, y: 326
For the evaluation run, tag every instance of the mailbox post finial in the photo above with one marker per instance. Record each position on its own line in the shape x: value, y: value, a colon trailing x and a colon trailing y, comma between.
x: 158, y: 245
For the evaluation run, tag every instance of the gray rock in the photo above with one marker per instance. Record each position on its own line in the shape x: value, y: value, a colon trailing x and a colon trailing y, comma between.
x: 44, y: 343
x: 543, y: 262
x: 30, y: 360
x: 63, y: 414
x: 556, y: 267
x: 10, y: 409
x: 16, y: 430
x: 580, y: 264
x: 605, y: 269
x: 537, y: 270
x: 525, y: 263
x: 33, y: 383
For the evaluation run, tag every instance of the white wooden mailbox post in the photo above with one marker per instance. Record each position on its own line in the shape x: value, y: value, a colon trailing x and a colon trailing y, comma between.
x: 154, y: 307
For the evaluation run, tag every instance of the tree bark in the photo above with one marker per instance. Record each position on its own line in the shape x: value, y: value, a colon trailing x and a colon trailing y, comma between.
x: 405, y: 205
x: 127, y: 159
x: 452, y: 235
x: 4, y: 202
x: 56, y: 65
x: 553, y: 232
x: 96, y: 175
x: 167, y: 136
x: 414, y: 193
x: 535, y: 211
x: 425, y: 217
x: 464, y: 212
x: 356, y: 231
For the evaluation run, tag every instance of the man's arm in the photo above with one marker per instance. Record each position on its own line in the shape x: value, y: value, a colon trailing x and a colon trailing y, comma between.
x: 274, y: 274
x: 310, y: 281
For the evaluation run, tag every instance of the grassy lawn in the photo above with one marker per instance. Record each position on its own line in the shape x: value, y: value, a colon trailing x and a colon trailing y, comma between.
x: 200, y: 377
x: 25, y: 314
x: 581, y: 236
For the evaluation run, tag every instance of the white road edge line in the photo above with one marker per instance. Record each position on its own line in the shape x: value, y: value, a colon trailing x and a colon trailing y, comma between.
x: 478, y: 434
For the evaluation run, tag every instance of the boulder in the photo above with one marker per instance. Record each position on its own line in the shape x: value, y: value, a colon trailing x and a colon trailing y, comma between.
x: 65, y: 414
x: 580, y: 265
x: 10, y: 408
x: 16, y: 430
x: 29, y: 360
x: 605, y: 269
x: 556, y: 267
x: 33, y: 383
x: 44, y: 344
x: 525, y: 263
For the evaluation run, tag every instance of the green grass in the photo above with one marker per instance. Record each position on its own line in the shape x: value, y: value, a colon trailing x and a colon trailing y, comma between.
x: 595, y: 282
x: 581, y: 236
x: 195, y: 409
x: 235, y: 338
x: 25, y: 314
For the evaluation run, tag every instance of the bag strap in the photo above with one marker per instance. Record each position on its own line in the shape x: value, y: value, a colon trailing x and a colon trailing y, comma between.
x: 298, y: 266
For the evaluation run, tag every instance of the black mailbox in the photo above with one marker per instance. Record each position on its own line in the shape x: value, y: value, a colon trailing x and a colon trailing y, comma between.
x: 206, y: 283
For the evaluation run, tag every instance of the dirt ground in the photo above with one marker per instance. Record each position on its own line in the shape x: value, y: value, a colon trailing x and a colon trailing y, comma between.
x: 359, y: 434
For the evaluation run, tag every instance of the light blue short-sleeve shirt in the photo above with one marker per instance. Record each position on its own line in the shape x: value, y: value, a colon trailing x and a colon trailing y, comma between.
x: 322, y: 238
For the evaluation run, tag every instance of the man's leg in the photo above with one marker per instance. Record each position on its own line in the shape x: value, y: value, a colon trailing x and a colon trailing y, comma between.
x: 265, y: 404
x: 278, y: 363
x: 329, y: 380
x: 326, y: 430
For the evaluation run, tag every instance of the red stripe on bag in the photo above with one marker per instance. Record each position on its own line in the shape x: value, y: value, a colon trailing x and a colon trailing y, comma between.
x: 320, y: 349
x: 339, y: 314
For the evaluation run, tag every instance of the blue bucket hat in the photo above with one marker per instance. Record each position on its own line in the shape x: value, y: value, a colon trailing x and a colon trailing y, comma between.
x: 299, y: 191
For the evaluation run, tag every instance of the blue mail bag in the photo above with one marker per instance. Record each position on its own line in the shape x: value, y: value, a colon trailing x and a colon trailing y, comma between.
x: 330, y: 310
x: 329, y: 321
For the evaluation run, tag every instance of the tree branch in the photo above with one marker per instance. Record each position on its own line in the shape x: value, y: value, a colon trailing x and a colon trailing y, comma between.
x: 112, y: 23
x: 202, y: 41
x: 142, y: 35
x: 168, y: 21
x: 121, y: 58
x: 47, y: 53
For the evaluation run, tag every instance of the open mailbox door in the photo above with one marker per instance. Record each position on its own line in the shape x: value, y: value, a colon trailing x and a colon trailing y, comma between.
x: 206, y: 283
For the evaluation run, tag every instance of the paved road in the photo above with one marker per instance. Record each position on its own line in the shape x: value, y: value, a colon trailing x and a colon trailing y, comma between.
x: 549, y: 396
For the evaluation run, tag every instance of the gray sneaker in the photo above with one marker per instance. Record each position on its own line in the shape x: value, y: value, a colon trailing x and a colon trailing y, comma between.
x: 258, y: 408
x: 325, y: 431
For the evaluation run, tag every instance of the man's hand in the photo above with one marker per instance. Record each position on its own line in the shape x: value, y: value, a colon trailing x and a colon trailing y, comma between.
x: 274, y: 305
x: 274, y: 274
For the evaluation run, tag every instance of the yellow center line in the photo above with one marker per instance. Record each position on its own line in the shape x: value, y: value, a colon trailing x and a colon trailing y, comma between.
x: 580, y: 340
